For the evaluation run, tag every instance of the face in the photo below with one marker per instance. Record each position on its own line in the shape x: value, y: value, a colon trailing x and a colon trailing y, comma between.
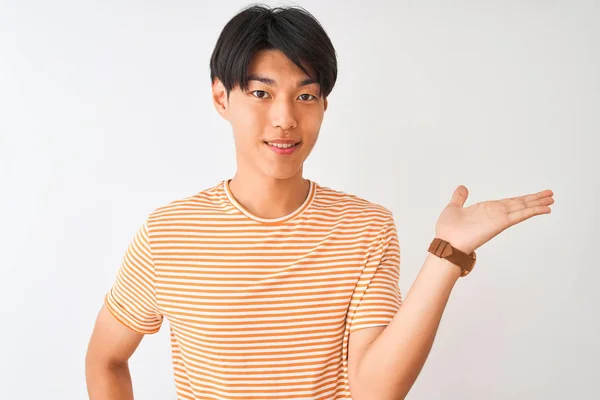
x: 281, y: 108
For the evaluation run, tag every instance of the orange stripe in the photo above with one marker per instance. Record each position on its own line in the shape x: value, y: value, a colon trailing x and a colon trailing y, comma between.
x: 260, y: 308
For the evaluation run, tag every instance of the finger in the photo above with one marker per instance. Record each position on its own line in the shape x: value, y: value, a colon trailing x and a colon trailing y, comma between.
x: 530, y: 197
x: 526, y: 213
x: 517, y: 205
x: 459, y: 196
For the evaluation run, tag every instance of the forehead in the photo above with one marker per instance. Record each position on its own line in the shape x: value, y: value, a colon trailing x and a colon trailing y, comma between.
x: 275, y: 64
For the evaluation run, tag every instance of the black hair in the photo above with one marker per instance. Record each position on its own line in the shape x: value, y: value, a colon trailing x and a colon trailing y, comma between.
x: 292, y: 30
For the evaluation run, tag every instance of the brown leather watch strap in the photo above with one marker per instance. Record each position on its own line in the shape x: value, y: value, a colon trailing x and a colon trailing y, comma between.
x: 443, y: 249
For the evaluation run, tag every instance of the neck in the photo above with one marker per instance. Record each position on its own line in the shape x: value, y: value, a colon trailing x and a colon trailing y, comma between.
x: 267, y: 197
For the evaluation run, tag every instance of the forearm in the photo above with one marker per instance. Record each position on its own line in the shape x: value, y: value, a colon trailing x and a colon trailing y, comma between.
x: 390, y: 365
x: 109, y: 382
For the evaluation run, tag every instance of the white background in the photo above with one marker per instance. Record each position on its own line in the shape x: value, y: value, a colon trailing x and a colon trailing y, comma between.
x: 106, y: 115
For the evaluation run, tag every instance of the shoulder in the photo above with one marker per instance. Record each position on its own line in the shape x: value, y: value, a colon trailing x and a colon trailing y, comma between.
x: 350, y: 204
x: 205, y: 202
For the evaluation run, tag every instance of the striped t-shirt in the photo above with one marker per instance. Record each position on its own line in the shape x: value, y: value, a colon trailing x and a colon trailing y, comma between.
x: 260, y: 308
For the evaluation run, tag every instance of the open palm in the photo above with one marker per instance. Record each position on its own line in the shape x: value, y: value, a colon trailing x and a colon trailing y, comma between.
x: 467, y: 228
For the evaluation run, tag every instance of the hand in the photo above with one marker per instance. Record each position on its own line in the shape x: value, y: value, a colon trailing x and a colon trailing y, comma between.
x: 468, y: 228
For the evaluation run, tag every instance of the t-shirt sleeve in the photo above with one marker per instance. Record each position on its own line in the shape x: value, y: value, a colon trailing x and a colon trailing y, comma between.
x: 381, y: 300
x: 132, y: 298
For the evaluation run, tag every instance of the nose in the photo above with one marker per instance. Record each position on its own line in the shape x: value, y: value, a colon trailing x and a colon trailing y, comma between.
x: 283, y: 114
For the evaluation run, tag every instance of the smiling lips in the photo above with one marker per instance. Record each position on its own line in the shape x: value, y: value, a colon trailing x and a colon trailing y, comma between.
x: 283, y: 146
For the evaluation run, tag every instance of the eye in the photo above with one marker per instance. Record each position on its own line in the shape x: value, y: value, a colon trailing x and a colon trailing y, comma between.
x: 262, y: 92
x: 311, y: 97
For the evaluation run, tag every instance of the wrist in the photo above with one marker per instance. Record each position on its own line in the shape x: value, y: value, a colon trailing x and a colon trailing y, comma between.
x: 457, y: 243
x: 450, y: 252
x: 443, y: 267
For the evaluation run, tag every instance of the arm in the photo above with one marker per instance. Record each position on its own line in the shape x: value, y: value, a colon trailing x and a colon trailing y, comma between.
x: 106, y: 369
x: 387, y: 362
x: 129, y: 312
x: 392, y: 362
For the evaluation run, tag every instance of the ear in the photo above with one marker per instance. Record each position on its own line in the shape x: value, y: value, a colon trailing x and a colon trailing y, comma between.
x: 219, y: 95
x: 325, y: 104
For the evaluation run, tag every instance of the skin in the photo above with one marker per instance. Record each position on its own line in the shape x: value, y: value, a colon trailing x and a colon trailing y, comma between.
x: 106, y: 362
x: 268, y: 184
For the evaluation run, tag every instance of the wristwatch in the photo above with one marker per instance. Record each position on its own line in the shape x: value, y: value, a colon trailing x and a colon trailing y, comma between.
x: 443, y: 249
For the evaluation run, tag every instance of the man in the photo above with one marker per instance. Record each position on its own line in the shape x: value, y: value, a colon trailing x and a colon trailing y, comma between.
x: 273, y: 285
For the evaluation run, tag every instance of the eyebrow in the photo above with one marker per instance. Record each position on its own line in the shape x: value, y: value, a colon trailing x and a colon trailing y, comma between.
x: 272, y: 82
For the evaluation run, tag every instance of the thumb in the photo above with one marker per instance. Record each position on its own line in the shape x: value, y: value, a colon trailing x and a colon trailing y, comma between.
x: 459, y: 196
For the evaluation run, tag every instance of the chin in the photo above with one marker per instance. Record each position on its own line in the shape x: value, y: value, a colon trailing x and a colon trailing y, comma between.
x: 281, y: 173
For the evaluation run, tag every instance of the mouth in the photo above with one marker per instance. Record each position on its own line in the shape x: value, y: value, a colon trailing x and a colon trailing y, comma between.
x: 283, y: 148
